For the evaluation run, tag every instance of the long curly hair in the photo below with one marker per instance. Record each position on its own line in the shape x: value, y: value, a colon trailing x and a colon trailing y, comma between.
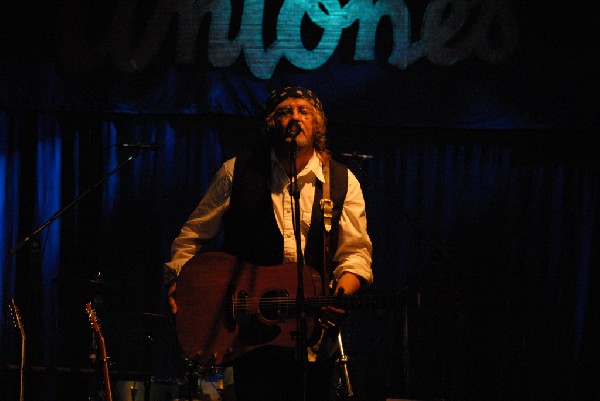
x: 319, y: 122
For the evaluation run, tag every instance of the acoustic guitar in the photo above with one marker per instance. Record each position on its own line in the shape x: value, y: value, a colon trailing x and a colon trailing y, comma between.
x: 227, y: 307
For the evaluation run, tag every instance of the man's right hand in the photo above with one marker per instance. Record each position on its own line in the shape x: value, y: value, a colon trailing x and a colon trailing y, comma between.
x: 170, y: 294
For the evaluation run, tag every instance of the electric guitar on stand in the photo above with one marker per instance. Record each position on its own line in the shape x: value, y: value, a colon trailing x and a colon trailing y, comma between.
x: 18, y: 323
x: 107, y: 394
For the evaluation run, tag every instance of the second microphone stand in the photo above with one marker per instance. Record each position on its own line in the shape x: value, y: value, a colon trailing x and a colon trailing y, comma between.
x: 73, y: 203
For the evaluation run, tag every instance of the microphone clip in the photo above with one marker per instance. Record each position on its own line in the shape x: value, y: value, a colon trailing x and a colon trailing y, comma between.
x: 140, y: 146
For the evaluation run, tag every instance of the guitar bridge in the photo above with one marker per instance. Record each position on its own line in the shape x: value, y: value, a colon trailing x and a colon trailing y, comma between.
x: 230, y: 309
x: 241, y: 307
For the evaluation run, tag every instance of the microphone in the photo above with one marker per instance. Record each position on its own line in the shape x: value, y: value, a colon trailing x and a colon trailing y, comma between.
x: 355, y: 155
x: 140, y: 146
x: 293, y: 129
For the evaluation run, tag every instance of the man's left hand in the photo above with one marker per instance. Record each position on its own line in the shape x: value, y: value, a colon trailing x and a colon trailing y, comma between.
x: 332, y: 316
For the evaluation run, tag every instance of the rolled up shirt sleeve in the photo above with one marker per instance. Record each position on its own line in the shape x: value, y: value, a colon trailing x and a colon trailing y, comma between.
x: 355, y: 249
x: 204, y: 222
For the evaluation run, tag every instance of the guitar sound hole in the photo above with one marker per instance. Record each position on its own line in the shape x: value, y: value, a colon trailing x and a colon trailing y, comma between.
x: 254, y: 330
x: 275, y: 306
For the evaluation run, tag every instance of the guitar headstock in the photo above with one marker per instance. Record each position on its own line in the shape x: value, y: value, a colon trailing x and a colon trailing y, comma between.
x: 93, y: 319
x: 16, y: 316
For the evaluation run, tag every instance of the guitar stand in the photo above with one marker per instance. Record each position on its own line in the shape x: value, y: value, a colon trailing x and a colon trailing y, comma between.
x: 344, y: 388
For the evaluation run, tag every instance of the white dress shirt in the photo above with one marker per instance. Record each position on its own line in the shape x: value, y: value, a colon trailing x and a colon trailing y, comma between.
x: 354, y: 245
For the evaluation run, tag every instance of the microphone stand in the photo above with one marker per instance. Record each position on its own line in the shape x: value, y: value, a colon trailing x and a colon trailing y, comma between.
x: 301, y: 350
x: 406, y: 356
x: 74, y: 202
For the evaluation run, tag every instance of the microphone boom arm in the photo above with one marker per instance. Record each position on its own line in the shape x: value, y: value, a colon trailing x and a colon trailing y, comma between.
x: 70, y: 205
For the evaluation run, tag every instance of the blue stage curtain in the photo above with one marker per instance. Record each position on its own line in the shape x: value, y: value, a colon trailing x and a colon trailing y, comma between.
x: 498, y: 233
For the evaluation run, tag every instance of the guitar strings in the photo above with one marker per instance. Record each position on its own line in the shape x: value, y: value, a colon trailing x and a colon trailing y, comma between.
x: 312, y: 301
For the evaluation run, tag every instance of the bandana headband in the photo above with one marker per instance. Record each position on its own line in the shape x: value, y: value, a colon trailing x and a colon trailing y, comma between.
x: 279, y: 95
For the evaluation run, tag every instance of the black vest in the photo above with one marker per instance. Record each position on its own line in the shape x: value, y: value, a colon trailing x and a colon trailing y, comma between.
x: 250, y: 228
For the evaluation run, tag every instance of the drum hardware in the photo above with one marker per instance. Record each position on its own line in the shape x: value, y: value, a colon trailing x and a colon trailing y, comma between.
x: 205, y: 381
x: 210, y: 384
x: 150, y: 389
x: 133, y: 390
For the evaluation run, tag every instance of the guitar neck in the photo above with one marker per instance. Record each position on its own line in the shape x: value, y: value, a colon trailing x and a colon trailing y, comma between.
x: 355, y: 302
x: 105, y: 372
x: 102, y: 351
x: 314, y: 303
x: 22, y: 369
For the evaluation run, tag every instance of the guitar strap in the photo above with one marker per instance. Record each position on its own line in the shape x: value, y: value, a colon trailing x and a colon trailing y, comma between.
x: 326, y: 283
x: 326, y: 208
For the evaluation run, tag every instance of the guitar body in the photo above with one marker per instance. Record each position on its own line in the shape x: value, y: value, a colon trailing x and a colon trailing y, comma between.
x: 226, y: 307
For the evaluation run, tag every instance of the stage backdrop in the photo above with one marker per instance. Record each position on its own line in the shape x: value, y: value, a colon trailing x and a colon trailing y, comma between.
x: 392, y: 63
x: 468, y: 124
